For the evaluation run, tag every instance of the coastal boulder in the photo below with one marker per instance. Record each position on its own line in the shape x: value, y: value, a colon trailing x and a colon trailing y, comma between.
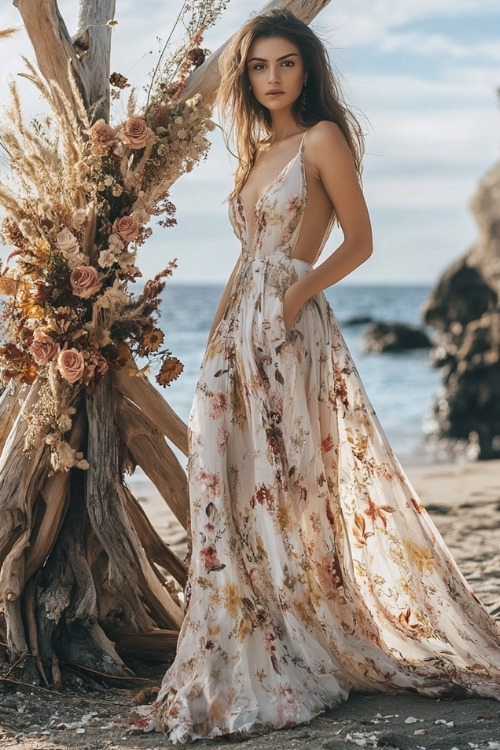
x: 394, y: 337
x: 357, y: 320
x: 462, y: 294
x: 464, y: 309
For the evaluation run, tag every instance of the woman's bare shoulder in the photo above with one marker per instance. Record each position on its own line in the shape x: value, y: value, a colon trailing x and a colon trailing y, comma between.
x: 325, y: 144
x: 325, y: 133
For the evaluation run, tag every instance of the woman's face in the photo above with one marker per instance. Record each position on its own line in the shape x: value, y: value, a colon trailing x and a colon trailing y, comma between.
x: 276, y: 72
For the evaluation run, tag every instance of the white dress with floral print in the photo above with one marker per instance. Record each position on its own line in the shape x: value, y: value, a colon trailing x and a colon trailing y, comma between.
x: 315, y: 569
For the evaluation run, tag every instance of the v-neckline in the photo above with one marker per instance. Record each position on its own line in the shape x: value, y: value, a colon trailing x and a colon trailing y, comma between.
x: 268, y: 189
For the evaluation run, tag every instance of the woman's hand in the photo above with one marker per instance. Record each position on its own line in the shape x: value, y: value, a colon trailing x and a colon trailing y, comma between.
x: 292, y: 302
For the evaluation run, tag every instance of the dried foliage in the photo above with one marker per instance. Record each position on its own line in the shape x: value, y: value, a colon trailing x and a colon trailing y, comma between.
x: 77, y: 206
x: 6, y: 33
x: 174, y: 66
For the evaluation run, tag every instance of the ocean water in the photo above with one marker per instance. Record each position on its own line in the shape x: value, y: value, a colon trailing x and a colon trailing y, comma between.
x: 401, y: 386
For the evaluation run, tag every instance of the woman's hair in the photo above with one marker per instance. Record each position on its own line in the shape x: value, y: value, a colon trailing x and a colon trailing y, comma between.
x: 250, y: 121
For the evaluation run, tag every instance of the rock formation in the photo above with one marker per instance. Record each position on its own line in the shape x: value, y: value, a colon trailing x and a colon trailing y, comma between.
x: 464, y: 308
x: 394, y: 337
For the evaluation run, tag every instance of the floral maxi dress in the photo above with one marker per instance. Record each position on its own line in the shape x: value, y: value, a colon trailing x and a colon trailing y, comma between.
x: 315, y: 569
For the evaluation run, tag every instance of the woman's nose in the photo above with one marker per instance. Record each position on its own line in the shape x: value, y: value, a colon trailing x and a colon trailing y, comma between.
x: 274, y: 73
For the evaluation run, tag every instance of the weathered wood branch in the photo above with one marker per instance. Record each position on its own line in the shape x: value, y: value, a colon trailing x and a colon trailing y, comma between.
x: 9, y: 408
x: 21, y: 475
x: 149, y: 450
x: 93, y: 41
x: 54, y: 50
x: 156, y: 646
x: 141, y: 392
x: 70, y: 606
x: 129, y: 573
x: 205, y: 79
x: 156, y: 549
x: 43, y: 513
x: 54, y: 495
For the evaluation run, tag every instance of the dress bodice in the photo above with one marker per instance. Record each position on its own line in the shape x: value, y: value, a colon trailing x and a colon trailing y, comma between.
x: 278, y: 214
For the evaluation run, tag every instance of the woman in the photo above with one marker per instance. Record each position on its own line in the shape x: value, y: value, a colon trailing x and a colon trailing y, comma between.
x: 315, y: 570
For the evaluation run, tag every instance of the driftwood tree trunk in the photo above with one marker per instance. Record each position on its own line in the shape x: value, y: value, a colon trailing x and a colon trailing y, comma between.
x: 84, y: 578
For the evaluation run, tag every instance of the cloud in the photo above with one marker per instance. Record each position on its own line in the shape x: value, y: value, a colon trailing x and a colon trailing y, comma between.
x: 432, y: 193
x: 365, y: 22
x: 437, y: 44
x: 441, y: 137
x: 468, y: 88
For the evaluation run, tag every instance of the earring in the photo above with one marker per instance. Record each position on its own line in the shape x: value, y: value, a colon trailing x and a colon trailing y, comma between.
x: 303, y: 97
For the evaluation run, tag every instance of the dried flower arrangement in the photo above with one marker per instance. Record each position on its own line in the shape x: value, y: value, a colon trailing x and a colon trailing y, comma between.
x: 77, y: 208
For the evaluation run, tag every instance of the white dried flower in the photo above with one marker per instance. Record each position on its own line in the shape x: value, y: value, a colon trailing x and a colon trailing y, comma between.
x: 27, y: 229
x: 106, y: 258
x: 64, y: 457
x: 64, y: 423
x: 114, y: 297
x: 79, y: 218
x: 115, y: 242
x: 127, y: 260
x: 194, y: 102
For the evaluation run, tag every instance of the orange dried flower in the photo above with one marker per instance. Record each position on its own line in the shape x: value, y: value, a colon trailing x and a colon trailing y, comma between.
x: 170, y: 370
x: 42, y: 249
x: 26, y: 305
x: 123, y: 355
x: 152, y: 340
x: 28, y: 374
x: 119, y: 80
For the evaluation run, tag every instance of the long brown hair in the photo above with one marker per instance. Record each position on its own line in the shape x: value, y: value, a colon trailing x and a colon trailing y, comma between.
x: 250, y: 122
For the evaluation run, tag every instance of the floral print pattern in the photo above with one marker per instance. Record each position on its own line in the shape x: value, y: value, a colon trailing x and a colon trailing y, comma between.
x: 314, y: 568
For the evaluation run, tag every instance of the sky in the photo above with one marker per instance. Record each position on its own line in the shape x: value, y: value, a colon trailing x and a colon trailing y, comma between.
x: 423, y: 75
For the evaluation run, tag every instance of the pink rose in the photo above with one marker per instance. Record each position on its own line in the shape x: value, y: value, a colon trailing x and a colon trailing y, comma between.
x: 84, y: 281
x: 71, y: 365
x: 126, y: 227
x: 135, y: 133
x: 43, y: 349
x: 103, y: 134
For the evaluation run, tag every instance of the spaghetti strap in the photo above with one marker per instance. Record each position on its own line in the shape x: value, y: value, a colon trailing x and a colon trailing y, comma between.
x: 302, y: 141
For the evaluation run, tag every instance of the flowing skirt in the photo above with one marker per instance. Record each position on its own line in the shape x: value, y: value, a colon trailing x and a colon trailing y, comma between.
x: 315, y: 569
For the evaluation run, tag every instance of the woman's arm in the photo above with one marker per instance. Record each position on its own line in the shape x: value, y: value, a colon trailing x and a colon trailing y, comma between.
x: 221, y: 309
x: 330, y: 158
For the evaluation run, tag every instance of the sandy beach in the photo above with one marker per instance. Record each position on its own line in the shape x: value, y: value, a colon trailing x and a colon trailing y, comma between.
x: 464, y: 501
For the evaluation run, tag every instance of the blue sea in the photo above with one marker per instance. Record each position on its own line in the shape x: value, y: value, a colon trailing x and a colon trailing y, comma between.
x: 401, y: 386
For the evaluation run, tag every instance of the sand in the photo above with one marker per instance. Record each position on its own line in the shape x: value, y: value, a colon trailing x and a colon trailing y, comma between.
x: 464, y: 501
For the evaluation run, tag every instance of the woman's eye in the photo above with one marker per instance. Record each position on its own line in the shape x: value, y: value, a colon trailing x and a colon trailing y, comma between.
x: 288, y: 63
